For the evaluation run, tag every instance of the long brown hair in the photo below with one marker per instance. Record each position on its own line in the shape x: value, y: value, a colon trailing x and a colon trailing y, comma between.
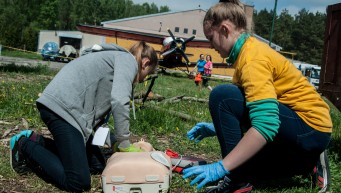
x: 226, y: 10
x: 209, y: 56
x: 142, y: 50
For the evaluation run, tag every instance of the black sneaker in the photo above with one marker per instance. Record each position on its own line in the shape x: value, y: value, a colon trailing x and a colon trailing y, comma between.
x: 225, y: 186
x: 18, y: 162
x: 322, y: 173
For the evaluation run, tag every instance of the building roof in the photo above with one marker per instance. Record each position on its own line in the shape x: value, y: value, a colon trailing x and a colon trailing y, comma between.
x: 182, y: 23
x: 153, y: 29
x: 147, y: 16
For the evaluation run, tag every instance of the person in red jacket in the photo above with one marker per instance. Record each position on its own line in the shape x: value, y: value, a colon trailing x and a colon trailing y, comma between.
x: 198, y: 79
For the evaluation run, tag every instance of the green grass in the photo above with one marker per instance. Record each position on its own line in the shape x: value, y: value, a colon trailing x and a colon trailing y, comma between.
x: 36, y: 70
x: 20, y: 88
x: 14, y: 53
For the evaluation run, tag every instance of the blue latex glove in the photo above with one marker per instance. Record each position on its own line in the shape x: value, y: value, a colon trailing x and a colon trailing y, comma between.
x: 205, y: 173
x: 200, y: 131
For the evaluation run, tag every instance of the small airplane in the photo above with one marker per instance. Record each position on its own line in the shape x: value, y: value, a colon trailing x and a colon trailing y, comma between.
x: 173, y: 52
x: 171, y: 55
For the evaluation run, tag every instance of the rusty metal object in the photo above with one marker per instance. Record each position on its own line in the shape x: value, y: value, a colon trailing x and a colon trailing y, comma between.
x: 330, y: 80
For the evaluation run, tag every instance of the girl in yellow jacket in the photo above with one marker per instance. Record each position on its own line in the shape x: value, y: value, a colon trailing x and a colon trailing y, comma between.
x: 271, y: 123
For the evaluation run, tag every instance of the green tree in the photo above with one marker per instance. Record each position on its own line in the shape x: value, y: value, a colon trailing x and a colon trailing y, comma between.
x: 12, y: 23
x: 153, y: 8
x: 21, y: 21
x: 164, y: 9
x: 86, y: 12
x: 64, y: 15
x: 283, y: 29
x: 262, y: 22
x: 146, y: 7
x: 48, y: 17
x: 307, y: 37
x: 106, y: 11
x: 30, y: 36
x: 302, y: 34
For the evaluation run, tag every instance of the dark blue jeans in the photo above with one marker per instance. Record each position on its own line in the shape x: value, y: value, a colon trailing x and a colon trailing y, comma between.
x: 63, y: 160
x: 294, y: 151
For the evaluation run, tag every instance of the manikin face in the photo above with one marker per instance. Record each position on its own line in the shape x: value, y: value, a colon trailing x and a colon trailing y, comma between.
x: 218, y: 36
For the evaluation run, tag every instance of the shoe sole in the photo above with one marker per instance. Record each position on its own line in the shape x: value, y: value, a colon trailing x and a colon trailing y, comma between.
x: 11, y: 152
x: 10, y: 159
x: 247, y: 189
x: 326, y: 172
x: 20, y: 169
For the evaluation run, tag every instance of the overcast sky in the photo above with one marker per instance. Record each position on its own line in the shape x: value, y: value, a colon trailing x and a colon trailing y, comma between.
x: 292, y: 5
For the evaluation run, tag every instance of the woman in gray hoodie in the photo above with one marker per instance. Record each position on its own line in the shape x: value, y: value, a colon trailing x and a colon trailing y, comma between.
x: 76, y: 102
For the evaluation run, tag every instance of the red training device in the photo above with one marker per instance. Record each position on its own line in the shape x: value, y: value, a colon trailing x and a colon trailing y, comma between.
x: 180, y: 162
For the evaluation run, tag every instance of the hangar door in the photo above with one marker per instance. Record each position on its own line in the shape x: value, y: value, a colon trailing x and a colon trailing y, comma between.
x: 74, y: 40
x: 330, y: 79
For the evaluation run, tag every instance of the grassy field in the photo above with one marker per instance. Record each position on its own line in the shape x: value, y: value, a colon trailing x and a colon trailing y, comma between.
x: 14, y: 53
x: 20, y: 87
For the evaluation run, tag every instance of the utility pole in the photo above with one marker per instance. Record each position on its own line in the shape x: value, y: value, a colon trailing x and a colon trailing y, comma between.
x: 273, y: 23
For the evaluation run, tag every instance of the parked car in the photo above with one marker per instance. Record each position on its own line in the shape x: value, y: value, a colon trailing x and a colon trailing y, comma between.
x: 50, y: 51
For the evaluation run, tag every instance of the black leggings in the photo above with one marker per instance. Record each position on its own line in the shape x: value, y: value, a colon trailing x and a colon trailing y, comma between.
x: 63, y: 160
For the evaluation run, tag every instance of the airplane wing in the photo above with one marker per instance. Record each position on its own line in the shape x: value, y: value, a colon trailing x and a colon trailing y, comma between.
x: 137, y: 36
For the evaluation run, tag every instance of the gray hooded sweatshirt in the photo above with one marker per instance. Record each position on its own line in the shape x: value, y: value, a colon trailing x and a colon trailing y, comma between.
x: 87, y: 88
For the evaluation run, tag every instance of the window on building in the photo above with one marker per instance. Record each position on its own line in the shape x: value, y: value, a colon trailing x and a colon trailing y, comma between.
x: 185, y: 30
x: 177, y: 29
x: 194, y: 32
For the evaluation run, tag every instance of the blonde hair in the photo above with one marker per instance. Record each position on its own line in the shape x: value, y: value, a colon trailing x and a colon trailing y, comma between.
x: 142, y: 50
x: 226, y: 10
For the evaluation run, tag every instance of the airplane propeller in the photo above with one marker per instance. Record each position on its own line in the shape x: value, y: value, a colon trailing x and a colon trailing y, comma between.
x: 178, y: 46
x: 171, y: 34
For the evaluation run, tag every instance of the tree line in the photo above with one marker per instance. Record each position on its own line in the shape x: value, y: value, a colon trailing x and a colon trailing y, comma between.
x: 21, y: 20
x: 302, y: 34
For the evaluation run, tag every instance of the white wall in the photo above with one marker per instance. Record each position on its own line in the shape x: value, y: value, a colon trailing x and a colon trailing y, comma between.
x: 89, y: 40
x: 52, y: 36
x: 47, y: 36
